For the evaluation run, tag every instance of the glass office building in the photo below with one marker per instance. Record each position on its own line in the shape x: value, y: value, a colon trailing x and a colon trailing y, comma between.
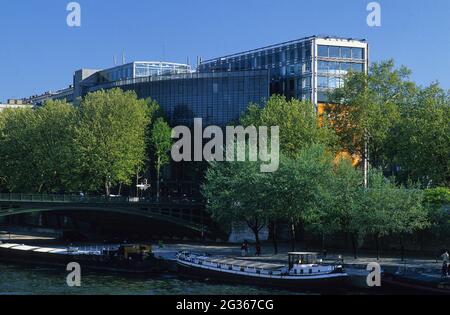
x: 138, y: 69
x: 218, y: 98
x: 305, y: 69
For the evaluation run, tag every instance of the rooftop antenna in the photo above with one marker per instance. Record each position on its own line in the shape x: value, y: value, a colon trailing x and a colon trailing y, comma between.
x: 123, y: 57
x: 115, y: 60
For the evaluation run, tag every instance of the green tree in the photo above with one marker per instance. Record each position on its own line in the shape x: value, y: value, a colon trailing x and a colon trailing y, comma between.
x: 437, y: 203
x: 366, y: 108
x: 419, y: 144
x: 161, y: 140
x: 110, y: 139
x: 301, y: 188
x: 345, y: 206
x: 389, y: 210
x: 236, y: 193
x: 36, y: 148
x: 298, y: 121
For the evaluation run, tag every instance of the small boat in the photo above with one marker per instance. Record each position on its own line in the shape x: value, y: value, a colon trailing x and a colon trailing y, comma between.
x: 304, y: 271
x: 416, y: 283
x: 126, y: 258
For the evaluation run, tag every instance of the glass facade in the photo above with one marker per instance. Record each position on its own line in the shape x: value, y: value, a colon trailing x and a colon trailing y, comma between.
x: 218, y: 98
x: 333, y: 64
x: 305, y: 69
x: 289, y: 67
x: 138, y: 69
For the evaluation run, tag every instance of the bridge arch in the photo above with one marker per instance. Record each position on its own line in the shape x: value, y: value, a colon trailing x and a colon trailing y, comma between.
x: 164, y: 216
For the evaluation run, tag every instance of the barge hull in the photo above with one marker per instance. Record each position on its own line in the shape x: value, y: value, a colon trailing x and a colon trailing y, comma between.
x: 331, y: 284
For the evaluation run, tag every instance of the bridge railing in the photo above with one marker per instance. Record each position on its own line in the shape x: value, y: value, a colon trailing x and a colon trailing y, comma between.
x: 16, y: 197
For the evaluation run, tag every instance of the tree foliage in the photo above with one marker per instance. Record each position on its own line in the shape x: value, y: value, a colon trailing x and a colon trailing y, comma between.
x: 36, y: 148
x: 298, y: 121
x: 110, y: 144
x: 161, y: 143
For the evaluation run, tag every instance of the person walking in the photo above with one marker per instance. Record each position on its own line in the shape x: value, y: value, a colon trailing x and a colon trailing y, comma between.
x: 445, y: 257
x: 244, y: 249
x: 258, y: 250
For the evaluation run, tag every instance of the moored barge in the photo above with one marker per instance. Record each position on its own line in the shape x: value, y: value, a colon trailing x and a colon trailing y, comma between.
x: 122, y: 258
x: 304, y: 271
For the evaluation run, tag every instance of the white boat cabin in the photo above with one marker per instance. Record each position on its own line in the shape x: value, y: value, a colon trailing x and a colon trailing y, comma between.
x: 307, y: 263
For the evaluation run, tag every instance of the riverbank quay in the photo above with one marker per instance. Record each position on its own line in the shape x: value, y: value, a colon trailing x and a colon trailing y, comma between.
x: 169, y: 251
x: 413, y: 275
x: 416, y: 269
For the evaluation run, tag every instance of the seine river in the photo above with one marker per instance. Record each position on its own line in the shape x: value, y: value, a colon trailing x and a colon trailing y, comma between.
x: 26, y: 280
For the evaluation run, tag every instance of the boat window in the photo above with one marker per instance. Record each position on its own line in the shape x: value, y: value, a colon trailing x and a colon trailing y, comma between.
x: 310, y: 271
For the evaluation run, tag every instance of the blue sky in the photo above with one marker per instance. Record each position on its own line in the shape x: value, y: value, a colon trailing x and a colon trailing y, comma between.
x: 39, y: 52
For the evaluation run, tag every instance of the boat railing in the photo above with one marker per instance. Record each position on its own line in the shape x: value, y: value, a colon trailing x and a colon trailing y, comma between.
x: 206, y: 262
x: 92, y: 249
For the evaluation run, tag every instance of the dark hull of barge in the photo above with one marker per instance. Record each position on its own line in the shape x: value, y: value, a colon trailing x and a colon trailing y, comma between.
x: 151, y: 265
x: 334, y: 283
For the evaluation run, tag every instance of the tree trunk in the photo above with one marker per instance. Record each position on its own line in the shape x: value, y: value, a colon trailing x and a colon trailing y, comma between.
x: 377, y: 241
x: 273, y: 228
x: 137, y: 183
x: 107, y: 190
x: 293, y: 235
x: 157, y: 184
x: 120, y: 189
x: 255, y: 230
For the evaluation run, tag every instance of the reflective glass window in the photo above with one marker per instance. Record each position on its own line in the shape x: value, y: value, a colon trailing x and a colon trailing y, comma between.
x: 346, y: 52
x: 322, y: 67
x: 335, y: 52
x: 299, y: 52
x: 357, y: 53
x: 322, y: 82
x: 323, y: 51
x: 346, y: 67
x: 292, y: 55
x: 334, y: 67
x: 357, y: 67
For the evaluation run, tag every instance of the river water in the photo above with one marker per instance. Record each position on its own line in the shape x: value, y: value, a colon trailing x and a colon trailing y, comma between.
x: 28, y: 280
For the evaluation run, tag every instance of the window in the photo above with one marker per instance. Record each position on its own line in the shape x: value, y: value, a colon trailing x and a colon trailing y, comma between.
x: 308, y: 51
x: 322, y: 82
x: 357, y: 67
x: 323, y: 51
x: 357, y: 53
x: 335, y: 52
x: 333, y: 67
x: 334, y: 82
x: 346, y: 52
x: 346, y: 67
x: 299, y: 53
x: 292, y: 55
x: 277, y: 58
x: 322, y: 67
x: 322, y: 97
